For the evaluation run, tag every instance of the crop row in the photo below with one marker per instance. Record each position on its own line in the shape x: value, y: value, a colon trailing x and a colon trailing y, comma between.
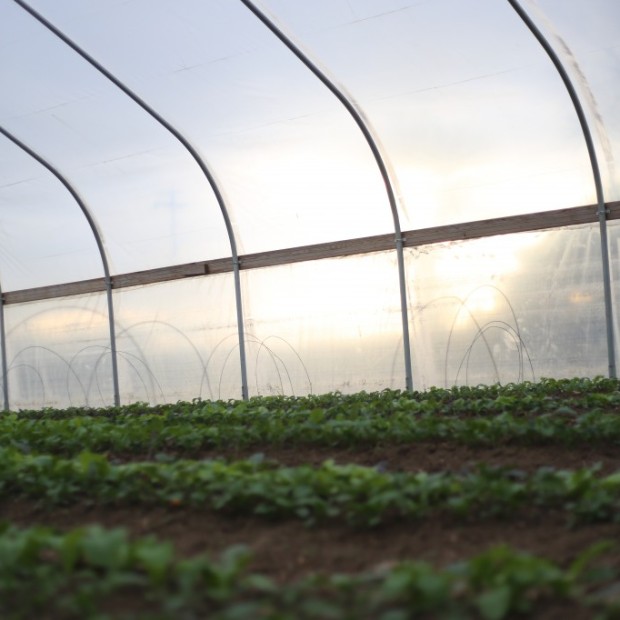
x: 361, y: 495
x: 93, y: 572
x: 155, y: 433
x: 545, y: 396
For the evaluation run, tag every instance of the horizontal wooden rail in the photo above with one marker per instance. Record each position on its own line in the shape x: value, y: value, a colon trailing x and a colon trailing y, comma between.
x: 412, y: 238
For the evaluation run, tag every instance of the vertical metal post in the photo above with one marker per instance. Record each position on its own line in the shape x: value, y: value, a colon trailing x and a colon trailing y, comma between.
x: 611, y: 355
x: 602, y: 209
x: 112, y: 328
x: 100, y: 246
x: 240, y: 322
x: 195, y: 155
x: 363, y: 126
x: 5, y: 370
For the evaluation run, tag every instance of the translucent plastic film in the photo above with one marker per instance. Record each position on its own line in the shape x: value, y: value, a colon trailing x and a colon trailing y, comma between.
x: 178, y: 341
x: 469, y: 108
x: 44, y: 236
x: 58, y: 353
x: 324, y: 326
x: 292, y: 165
x: 584, y: 33
x: 510, y: 308
x: 500, y: 309
x: 205, y: 132
x: 151, y: 202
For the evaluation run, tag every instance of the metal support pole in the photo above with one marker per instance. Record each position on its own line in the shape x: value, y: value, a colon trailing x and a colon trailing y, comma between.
x: 240, y: 325
x: 611, y: 355
x: 100, y: 246
x: 5, y: 370
x: 195, y: 155
x: 602, y: 210
x: 347, y: 102
x: 113, y: 348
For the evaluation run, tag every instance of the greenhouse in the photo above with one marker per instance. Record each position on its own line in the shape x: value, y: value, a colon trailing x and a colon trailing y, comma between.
x: 218, y: 199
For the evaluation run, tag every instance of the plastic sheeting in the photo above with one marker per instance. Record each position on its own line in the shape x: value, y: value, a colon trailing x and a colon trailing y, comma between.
x: 509, y: 309
x: 586, y: 37
x: 472, y: 121
x: 178, y: 341
x: 58, y: 353
x: 473, y: 115
x: 500, y: 309
x: 326, y: 325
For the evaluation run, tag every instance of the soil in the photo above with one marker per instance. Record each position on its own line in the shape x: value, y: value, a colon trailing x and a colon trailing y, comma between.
x: 423, y: 456
x: 288, y: 550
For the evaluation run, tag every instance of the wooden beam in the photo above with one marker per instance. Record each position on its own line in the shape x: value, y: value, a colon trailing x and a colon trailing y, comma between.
x: 69, y: 289
x: 412, y: 238
x: 506, y: 225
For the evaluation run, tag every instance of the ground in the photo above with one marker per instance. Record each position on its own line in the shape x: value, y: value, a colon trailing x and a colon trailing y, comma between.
x: 287, y: 550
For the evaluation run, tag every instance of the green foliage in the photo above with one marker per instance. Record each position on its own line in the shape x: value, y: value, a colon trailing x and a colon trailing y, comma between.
x: 88, y: 572
x: 61, y: 457
x: 361, y: 495
x: 78, y: 573
x: 561, y: 412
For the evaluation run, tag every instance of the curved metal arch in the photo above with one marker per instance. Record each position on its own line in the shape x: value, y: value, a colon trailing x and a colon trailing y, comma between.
x: 100, y: 247
x: 191, y: 150
x: 363, y: 126
x: 602, y: 210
